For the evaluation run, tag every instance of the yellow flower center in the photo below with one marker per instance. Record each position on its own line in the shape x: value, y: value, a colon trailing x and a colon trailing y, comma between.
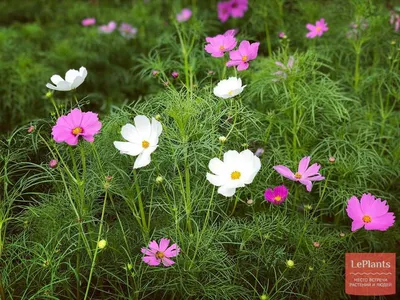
x: 278, y: 198
x: 297, y: 175
x: 367, y: 219
x: 244, y: 58
x: 235, y: 175
x: 230, y: 93
x: 160, y: 254
x: 145, y: 144
x: 318, y: 29
x: 77, y: 130
x: 222, y: 48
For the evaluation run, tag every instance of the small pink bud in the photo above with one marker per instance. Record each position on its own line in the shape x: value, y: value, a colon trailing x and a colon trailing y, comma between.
x: 31, y: 129
x: 53, y: 163
x: 332, y: 159
x: 316, y: 244
x: 155, y: 73
x: 175, y: 74
x: 109, y: 178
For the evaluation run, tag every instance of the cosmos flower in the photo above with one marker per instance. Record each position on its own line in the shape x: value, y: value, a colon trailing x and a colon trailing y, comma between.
x: 282, y: 74
x: 238, y: 8
x: 305, y: 175
x: 317, y: 30
x: 108, y: 28
x: 76, y: 124
x: 221, y: 43
x: 88, y: 22
x: 156, y: 254
x: 234, y: 171
x: 224, y: 10
x: 175, y: 74
x: 229, y: 88
x: 370, y: 213
x: 73, y: 79
x: 184, y: 15
x: 282, y: 35
x: 277, y: 195
x: 241, y: 57
x: 142, y: 140
x: 127, y: 30
x: 53, y: 163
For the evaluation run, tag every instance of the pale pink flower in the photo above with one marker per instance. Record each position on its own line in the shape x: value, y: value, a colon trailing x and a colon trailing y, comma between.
x: 155, y: 73
x: 220, y: 44
x: 184, y: 15
x: 76, y: 124
x: 108, y: 28
x: 127, y: 30
x: 88, y: 22
x: 241, y: 57
x: 282, y: 35
x: 156, y: 254
x: 305, y: 175
x: 31, y: 129
x: 318, y: 29
x: 370, y: 213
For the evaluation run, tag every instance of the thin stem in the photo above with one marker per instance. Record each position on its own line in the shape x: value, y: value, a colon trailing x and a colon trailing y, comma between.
x: 141, y: 207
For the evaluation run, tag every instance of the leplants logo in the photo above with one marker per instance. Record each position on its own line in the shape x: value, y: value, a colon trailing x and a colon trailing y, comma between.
x: 371, y: 274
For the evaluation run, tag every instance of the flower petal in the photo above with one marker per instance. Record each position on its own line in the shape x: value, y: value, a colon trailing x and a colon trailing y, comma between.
x: 226, y: 191
x: 285, y: 172
x: 142, y: 160
x: 303, y: 164
x: 143, y: 126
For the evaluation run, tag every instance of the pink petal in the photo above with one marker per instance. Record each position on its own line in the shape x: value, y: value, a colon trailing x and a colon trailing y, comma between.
x: 172, y: 251
x: 367, y: 203
x: 378, y: 208
x: 278, y: 63
x: 163, y: 244
x: 243, y: 66
x: 281, y: 191
x: 354, y: 209
x: 269, y: 195
x: 356, y: 224
x: 76, y: 117
x: 310, y: 27
x: 253, y: 51
x: 235, y: 55
x: 285, y: 172
x: 244, y: 48
x: 153, y: 246
x: 307, y: 183
x: 303, y: 165
x: 312, y: 170
x: 232, y: 63
x: 167, y: 262
x: 151, y: 260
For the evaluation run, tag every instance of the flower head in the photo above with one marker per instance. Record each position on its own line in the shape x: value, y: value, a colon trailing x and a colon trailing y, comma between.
x: 234, y: 171
x: 238, y: 8
x: 76, y: 124
x: 305, y: 175
x: 88, y: 22
x: 224, y: 10
x: 142, y: 140
x: 127, y: 30
x: 243, y: 55
x: 108, y: 28
x: 318, y: 29
x: 53, y: 163
x: 184, y: 15
x: 229, y: 88
x: 370, y: 213
x: 175, y: 74
x: 156, y: 254
x: 31, y: 129
x: 282, y: 74
x: 277, y: 195
x: 220, y: 44
x: 155, y: 73
x: 73, y: 79
x: 282, y: 35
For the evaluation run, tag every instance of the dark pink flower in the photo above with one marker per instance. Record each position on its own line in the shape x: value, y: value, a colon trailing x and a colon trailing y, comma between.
x: 69, y: 128
x: 318, y: 29
x: 175, y: 74
x: 156, y: 254
x: 277, y: 195
x: 305, y: 175
x: 241, y: 57
x: 220, y: 44
x: 224, y: 10
x: 53, y: 163
x: 184, y: 15
x: 88, y: 22
x: 238, y: 8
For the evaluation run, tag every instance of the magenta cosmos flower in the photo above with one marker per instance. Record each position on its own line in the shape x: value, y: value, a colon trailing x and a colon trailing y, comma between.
x: 276, y: 195
x: 224, y: 11
x: 69, y: 128
x: 241, y: 57
x: 88, y: 22
x: 369, y: 212
x: 238, y: 8
x: 221, y: 43
x: 184, y: 15
x: 318, y: 29
x: 305, y: 175
x: 110, y: 27
x: 156, y: 254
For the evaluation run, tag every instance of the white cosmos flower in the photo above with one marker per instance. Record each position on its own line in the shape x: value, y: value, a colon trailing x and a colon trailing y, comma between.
x: 73, y: 79
x: 229, y: 88
x: 142, y: 139
x: 236, y: 170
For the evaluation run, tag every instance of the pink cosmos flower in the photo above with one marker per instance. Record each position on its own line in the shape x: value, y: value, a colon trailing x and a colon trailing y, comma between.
x: 224, y: 10
x: 88, y: 22
x: 69, y: 128
x: 156, y: 254
x: 231, y: 32
x: 53, y: 163
x: 175, y: 74
x: 110, y: 27
x: 282, y: 35
x: 305, y: 175
x: 318, y: 29
x: 184, y: 15
x: 243, y: 55
x: 155, y: 72
x: 127, y: 30
x: 369, y: 212
x: 221, y: 43
x: 277, y: 195
x: 238, y: 8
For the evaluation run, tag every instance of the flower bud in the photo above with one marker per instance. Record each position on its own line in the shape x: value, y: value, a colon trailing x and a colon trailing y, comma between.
x: 159, y: 179
x: 31, y: 129
x: 157, y: 117
x: 102, y: 244
x: 53, y: 163
x: 222, y: 139
x: 316, y: 244
x: 290, y: 263
x: 332, y: 159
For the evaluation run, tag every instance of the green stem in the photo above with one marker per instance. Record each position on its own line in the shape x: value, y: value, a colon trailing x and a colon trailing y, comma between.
x: 141, y: 207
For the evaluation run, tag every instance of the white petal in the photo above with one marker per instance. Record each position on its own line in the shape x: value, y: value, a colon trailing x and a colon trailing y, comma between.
x: 216, y: 166
x: 129, y: 133
x: 156, y: 129
x: 128, y: 148
x: 226, y: 191
x: 215, y: 180
x: 71, y: 75
x: 83, y: 72
x: 142, y: 124
x: 77, y: 82
x: 231, y: 158
x: 56, y: 79
x: 61, y: 86
x: 142, y: 160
